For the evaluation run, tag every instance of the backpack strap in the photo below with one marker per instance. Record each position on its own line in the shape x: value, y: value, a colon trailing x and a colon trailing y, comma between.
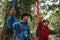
x: 21, y: 28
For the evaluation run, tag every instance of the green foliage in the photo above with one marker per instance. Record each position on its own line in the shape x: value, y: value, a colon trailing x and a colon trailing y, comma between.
x: 24, y: 6
x: 55, y: 20
x: 0, y: 0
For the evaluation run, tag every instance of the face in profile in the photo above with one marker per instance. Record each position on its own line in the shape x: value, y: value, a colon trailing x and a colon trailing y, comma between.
x: 46, y: 23
x: 25, y: 18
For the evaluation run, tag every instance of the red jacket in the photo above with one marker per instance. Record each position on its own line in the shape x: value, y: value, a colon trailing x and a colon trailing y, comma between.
x: 45, y: 32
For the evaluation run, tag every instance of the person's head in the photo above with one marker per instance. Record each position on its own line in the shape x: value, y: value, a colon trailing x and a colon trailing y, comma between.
x: 12, y: 11
x: 45, y: 22
x: 24, y: 17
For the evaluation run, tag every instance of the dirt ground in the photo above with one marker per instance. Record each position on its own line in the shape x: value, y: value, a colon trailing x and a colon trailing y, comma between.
x: 53, y: 37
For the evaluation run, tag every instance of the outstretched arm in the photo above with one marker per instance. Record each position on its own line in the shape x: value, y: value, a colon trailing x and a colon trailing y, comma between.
x: 11, y: 19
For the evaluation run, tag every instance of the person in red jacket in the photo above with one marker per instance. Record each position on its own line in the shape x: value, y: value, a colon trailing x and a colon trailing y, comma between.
x: 43, y: 30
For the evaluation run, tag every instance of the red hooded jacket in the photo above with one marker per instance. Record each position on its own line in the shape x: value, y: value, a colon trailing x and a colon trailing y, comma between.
x: 43, y: 32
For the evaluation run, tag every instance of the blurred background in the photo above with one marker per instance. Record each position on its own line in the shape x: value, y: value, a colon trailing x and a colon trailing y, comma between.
x: 49, y: 9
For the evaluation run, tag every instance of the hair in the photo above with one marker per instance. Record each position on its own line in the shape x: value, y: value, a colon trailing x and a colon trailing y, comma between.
x: 45, y: 21
x: 24, y: 14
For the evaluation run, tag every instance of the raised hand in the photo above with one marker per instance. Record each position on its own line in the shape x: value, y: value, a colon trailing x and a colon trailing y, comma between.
x: 13, y: 11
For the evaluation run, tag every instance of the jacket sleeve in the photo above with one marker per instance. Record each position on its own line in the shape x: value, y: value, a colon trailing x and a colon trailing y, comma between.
x: 39, y: 28
x: 11, y: 19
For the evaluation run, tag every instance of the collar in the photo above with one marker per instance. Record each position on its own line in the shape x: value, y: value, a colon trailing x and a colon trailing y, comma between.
x: 21, y: 21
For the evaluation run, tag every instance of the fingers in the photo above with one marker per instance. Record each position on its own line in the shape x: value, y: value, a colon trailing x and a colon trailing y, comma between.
x: 13, y: 11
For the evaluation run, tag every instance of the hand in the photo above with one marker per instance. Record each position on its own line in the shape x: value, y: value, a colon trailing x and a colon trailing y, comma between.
x: 13, y: 11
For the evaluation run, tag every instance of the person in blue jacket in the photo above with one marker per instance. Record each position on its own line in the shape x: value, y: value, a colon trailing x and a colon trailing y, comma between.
x: 21, y: 28
x: 10, y: 20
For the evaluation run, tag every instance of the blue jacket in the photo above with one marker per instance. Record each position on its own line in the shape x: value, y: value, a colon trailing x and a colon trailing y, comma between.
x: 10, y: 20
x: 17, y: 27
